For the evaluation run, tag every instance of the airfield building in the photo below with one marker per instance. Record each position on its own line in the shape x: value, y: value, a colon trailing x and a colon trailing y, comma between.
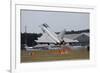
x: 82, y: 38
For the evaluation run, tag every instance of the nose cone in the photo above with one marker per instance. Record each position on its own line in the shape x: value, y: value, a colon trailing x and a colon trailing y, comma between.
x: 45, y: 25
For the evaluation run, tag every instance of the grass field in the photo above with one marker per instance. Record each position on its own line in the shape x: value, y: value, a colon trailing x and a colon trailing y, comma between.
x: 52, y: 55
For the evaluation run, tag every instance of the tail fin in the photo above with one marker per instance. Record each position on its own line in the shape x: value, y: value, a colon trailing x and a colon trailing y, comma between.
x: 61, y: 35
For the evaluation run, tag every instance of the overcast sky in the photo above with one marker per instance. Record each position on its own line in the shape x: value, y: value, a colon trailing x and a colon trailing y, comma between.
x: 58, y: 21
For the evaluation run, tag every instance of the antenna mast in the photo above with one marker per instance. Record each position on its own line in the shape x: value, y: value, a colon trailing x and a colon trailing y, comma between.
x: 25, y: 35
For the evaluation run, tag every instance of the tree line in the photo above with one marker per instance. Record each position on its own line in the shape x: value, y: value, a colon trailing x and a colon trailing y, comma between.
x: 29, y: 39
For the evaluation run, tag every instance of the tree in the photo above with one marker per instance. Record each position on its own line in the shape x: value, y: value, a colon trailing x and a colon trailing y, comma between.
x: 29, y: 39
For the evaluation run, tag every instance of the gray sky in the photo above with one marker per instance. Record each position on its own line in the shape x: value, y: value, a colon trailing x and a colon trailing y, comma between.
x: 58, y: 21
